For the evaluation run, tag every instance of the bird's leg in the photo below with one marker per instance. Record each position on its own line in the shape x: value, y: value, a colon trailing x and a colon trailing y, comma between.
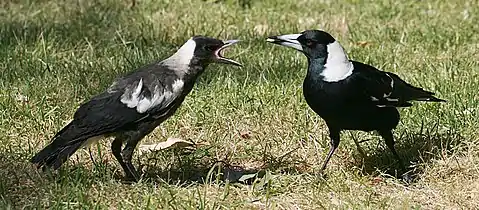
x: 360, y: 150
x: 389, y: 138
x: 134, y: 137
x: 334, y: 135
x: 116, y: 150
x: 127, y: 154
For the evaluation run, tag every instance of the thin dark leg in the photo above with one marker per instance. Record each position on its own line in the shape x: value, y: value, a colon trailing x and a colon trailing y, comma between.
x: 389, y: 138
x: 116, y: 150
x: 133, y: 137
x: 334, y: 135
x: 127, y: 155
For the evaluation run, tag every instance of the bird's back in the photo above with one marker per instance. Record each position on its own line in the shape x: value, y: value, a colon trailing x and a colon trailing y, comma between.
x: 340, y: 103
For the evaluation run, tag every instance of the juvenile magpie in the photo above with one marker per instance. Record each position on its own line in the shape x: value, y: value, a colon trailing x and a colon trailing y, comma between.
x: 135, y: 104
x: 347, y: 94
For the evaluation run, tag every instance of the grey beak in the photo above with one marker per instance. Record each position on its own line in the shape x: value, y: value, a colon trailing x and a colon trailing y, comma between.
x: 288, y: 40
x: 219, y: 56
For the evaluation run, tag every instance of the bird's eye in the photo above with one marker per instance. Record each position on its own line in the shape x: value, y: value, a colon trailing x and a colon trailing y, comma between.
x: 309, y: 43
x: 210, y: 48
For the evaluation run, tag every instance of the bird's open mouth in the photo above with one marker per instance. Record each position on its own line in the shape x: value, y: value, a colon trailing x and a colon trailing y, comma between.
x: 219, y: 54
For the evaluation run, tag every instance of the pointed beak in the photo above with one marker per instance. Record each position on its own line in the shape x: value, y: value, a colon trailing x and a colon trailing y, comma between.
x: 219, y: 56
x: 288, y: 40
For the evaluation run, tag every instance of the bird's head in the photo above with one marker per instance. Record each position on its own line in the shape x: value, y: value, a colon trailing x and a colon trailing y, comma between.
x: 313, y: 43
x: 209, y: 50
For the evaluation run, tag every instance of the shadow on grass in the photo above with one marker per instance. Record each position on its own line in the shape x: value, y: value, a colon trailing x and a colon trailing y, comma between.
x: 23, y: 185
x: 194, y: 167
x: 415, y: 149
x: 243, y: 3
x: 200, y: 168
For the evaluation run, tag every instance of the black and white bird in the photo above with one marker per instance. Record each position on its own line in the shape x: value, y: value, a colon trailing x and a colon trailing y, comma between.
x: 134, y: 105
x: 347, y: 94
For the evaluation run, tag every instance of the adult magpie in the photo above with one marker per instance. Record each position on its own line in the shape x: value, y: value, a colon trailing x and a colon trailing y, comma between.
x: 347, y: 94
x: 135, y: 104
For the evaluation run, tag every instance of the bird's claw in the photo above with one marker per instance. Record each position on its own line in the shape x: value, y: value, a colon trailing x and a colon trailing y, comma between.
x: 407, y: 178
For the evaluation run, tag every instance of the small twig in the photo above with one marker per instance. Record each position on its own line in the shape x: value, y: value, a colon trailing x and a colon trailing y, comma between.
x: 360, y: 150
x: 280, y: 158
x: 91, y: 158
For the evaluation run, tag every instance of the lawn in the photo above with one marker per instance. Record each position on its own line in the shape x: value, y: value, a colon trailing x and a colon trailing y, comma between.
x: 54, y: 55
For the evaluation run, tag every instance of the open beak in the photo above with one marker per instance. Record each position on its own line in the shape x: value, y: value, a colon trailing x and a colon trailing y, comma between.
x: 288, y: 40
x: 219, y: 55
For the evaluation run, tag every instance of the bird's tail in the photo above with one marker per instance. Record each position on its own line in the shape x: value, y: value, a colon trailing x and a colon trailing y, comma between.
x: 419, y: 94
x: 63, y: 145
x: 431, y: 99
x: 411, y: 93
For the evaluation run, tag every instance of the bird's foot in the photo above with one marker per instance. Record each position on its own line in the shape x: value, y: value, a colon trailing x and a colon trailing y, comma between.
x: 322, y: 174
x: 407, y: 178
x: 132, y: 176
x: 128, y: 180
x: 361, y: 152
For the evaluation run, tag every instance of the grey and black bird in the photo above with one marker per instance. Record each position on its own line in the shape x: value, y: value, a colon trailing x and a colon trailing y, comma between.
x: 135, y: 104
x: 350, y: 95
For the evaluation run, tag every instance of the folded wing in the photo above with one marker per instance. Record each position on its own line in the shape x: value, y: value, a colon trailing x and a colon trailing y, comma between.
x: 387, y: 89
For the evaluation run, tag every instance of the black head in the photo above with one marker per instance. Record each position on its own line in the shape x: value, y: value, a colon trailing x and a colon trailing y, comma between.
x: 313, y: 43
x: 209, y: 49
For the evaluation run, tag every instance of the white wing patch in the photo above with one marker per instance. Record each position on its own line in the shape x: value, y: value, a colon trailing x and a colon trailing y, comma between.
x: 131, y: 100
x: 392, y: 87
x: 144, y: 104
x: 178, y: 85
x: 387, y: 95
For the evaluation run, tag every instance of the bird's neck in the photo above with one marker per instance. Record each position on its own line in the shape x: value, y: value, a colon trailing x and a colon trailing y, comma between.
x: 332, y: 67
x: 316, y: 68
x: 183, y: 62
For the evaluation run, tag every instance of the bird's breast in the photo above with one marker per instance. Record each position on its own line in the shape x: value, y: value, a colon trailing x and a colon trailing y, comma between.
x: 319, y: 97
x: 331, y: 98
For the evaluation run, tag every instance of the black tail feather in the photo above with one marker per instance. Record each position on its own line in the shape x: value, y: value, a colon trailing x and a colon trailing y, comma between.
x: 419, y: 94
x: 59, y: 150
x: 408, y: 92
x: 431, y: 99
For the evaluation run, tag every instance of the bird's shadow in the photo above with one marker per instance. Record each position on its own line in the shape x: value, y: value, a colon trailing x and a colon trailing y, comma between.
x: 416, y: 150
x: 198, y: 167
x: 178, y: 167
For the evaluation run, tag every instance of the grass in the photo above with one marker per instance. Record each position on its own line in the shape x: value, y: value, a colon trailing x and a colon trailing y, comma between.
x: 55, y: 55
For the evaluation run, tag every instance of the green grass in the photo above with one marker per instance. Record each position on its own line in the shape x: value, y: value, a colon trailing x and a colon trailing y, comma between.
x: 55, y: 55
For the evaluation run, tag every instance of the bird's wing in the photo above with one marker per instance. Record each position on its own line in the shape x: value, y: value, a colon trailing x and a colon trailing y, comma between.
x: 104, y: 113
x: 387, y: 89
x: 127, y: 102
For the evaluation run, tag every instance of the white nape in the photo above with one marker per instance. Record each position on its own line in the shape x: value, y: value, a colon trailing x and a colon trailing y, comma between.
x: 338, y: 66
x: 180, y: 61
